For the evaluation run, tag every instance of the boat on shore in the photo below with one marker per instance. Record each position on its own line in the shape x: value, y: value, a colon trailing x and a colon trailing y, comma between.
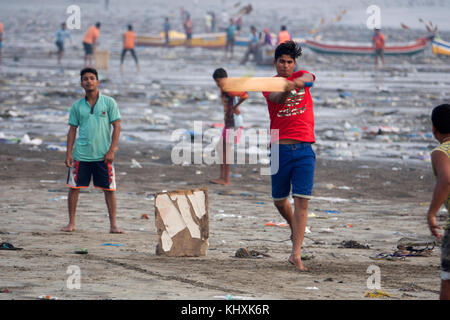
x: 440, y: 47
x: 352, y: 48
x: 178, y: 39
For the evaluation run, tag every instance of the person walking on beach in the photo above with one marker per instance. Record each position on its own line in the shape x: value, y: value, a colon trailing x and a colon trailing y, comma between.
x: 61, y: 35
x: 283, y: 36
x: 231, y: 39
x: 90, y: 43
x: 292, y: 133
x: 2, y: 33
x: 166, y: 27
x: 253, y: 45
x: 129, y: 39
x: 378, y: 43
x: 188, y: 27
x: 92, y: 153
x: 267, y: 38
x: 233, y: 124
x: 440, y: 160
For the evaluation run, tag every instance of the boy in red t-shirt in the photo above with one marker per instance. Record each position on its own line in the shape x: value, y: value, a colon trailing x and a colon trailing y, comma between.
x: 292, y: 133
x: 232, y: 126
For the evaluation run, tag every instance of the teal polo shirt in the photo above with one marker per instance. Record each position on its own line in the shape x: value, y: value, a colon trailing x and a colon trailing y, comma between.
x: 94, y: 134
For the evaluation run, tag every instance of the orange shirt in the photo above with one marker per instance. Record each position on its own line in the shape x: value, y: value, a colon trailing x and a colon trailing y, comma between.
x: 128, y: 41
x: 283, y: 36
x: 378, y: 41
x: 91, y: 35
x: 2, y: 31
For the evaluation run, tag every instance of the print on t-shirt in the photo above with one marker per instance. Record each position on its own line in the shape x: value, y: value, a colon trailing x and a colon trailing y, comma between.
x: 293, y: 100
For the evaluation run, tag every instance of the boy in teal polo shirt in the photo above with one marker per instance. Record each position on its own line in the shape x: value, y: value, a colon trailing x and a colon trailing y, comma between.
x: 93, y: 154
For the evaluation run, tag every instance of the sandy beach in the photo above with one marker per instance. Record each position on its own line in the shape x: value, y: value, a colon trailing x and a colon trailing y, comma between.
x: 373, y: 180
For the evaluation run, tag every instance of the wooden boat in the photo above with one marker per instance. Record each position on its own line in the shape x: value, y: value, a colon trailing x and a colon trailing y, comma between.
x: 177, y: 39
x: 440, y: 46
x: 366, y: 49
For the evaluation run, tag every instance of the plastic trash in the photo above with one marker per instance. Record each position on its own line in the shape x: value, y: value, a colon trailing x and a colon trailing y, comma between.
x: 113, y: 244
x: 276, y: 224
x: 135, y: 164
x: 47, y: 297
x: 377, y: 294
x: 333, y: 211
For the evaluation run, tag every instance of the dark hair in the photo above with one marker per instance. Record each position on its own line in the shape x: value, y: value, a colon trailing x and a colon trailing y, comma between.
x: 290, y: 48
x: 283, y: 28
x: 130, y: 27
x: 220, y: 73
x: 440, y: 118
x: 98, y: 24
x: 88, y: 70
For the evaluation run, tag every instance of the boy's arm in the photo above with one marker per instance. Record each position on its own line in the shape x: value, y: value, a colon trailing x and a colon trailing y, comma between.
x: 70, y: 142
x: 441, y: 165
x: 280, y: 97
x: 109, y: 156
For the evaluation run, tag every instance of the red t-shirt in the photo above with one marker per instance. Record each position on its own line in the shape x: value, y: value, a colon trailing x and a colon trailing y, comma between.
x: 295, y: 118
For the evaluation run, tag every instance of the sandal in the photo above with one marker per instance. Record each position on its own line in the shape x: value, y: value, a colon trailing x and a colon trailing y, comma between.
x: 8, y: 246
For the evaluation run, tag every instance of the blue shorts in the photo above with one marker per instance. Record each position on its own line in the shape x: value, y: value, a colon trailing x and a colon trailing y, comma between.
x: 292, y: 167
x: 81, y: 172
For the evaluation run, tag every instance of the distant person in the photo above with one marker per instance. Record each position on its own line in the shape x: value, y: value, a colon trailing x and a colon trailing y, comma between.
x: 2, y: 33
x: 213, y: 21
x: 378, y: 43
x: 292, y: 135
x: 267, y: 38
x: 90, y: 43
x: 166, y: 27
x: 253, y: 45
x: 93, y: 155
x: 208, y: 22
x: 233, y: 124
x: 61, y: 35
x: 129, y: 39
x: 283, y: 36
x: 440, y: 160
x: 188, y: 27
x: 231, y: 39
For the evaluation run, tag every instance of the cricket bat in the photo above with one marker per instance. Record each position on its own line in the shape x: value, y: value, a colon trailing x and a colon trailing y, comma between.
x: 269, y: 84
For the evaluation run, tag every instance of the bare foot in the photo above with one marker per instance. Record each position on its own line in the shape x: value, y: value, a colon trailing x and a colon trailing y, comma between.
x: 69, y: 228
x: 116, y: 230
x: 220, y: 181
x: 297, y: 263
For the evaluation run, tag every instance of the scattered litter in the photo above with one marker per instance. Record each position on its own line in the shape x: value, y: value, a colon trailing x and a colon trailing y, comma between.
x: 113, y: 244
x: 276, y: 224
x: 144, y: 216
x: 231, y: 297
x: 377, y: 294
x: 47, y: 298
x: 311, y: 215
x: 253, y: 254
x: 6, y: 290
x: 81, y: 251
x: 353, y: 245
x: 135, y: 164
x: 8, y: 246
x: 333, y: 211
x: 312, y: 288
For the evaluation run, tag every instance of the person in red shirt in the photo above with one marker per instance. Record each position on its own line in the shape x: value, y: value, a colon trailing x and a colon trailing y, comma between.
x: 292, y: 133
x: 378, y: 43
x: 128, y: 45
x: 233, y: 124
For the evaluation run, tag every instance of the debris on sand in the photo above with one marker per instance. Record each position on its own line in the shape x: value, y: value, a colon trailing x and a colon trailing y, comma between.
x: 353, y: 245
x: 253, y: 254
